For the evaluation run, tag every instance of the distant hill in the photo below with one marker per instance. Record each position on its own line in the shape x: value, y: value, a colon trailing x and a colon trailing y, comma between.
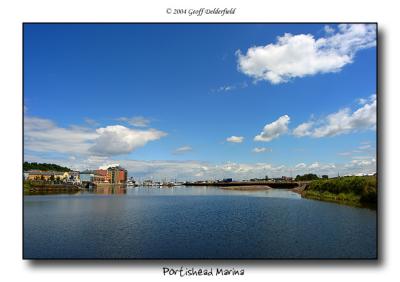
x: 44, y: 167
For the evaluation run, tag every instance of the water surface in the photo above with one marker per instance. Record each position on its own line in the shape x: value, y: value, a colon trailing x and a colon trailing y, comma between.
x: 194, y: 222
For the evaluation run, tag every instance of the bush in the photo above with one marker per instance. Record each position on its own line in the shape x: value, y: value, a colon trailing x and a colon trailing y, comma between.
x: 351, y: 188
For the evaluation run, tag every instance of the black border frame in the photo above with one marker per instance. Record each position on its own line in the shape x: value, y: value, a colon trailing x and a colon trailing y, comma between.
x: 378, y: 69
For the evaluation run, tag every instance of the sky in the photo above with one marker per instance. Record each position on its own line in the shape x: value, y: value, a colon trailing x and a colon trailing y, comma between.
x: 202, y: 101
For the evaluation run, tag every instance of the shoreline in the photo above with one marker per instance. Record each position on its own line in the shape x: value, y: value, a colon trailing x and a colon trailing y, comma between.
x: 247, y: 188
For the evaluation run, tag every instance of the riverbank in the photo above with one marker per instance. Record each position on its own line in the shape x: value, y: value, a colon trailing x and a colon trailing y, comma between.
x: 42, y: 187
x: 351, y: 190
x: 247, y: 188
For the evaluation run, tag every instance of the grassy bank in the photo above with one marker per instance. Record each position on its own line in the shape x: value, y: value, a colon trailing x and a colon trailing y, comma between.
x: 349, y: 190
x: 32, y: 187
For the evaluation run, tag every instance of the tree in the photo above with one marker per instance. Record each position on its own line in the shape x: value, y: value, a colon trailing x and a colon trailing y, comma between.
x: 44, y: 167
x: 307, y: 177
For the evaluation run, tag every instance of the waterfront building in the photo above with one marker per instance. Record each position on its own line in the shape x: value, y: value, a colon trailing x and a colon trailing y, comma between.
x: 73, y: 177
x: 102, y: 175
x: 113, y: 175
x: 47, y: 175
x: 87, y: 176
x: 117, y: 175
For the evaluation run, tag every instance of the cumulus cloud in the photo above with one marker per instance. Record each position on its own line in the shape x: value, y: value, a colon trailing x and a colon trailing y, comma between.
x: 106, y: 166
x: 118, y: 139
x: 43, y: 135
x: 261, y: 150
x: 182, y: 150
x: 363, y: 162
x: 274, y: 129
x: 301, y: 165
x: 328, y: 29
x: 362, y: 101
x: 198, y: 170
x: 303, y: 129
x: 342, y: 122
x: 235, y: 139
x: 303, y: 55
x: 138, y: 121
x: 314, y: 165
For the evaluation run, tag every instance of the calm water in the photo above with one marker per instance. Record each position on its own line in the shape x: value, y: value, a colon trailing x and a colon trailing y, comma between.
x: 194, y: 222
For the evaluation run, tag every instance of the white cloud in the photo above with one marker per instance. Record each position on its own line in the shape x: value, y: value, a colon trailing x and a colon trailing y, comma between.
x: 328, y: 29
x: 118, y: 139
x: 235, y: 139
x: 303, y: 129
x: 301, y: 165
x: 138, y: 121
x: 183, y: 149
x: 91, y: 122
x: 360, y: 163
x: 197, y: 170
x: 226, y: 88
x: 302, y: 55
x: 261, y: 150
x: 106, y: 166
x: 362, y: 101
x: 231, y: 87
x: 342, y: 122
x: 314, y: 165
x: 274, y: 129
x: 365, y: 147
x: 43, y: 135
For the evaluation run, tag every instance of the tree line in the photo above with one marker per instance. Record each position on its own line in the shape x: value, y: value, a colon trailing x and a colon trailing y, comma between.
x: 44, y: 167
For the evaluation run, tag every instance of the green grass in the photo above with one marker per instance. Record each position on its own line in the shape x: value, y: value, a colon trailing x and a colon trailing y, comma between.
x: 351, y: 189
x: 27, y: 186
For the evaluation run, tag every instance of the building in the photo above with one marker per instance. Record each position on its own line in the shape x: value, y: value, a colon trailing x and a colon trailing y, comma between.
x: 112, y: 175
x: 86, y: 176
x: 73, y: 177
x: 101, y: 175
x: 47, y: 175
x: 117, y: 175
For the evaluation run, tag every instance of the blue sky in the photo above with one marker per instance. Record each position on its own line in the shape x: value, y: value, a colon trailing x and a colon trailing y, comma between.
x: 164, y: 100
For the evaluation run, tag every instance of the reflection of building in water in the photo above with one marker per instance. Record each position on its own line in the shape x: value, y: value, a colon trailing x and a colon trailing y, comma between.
x: 110, y: 189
